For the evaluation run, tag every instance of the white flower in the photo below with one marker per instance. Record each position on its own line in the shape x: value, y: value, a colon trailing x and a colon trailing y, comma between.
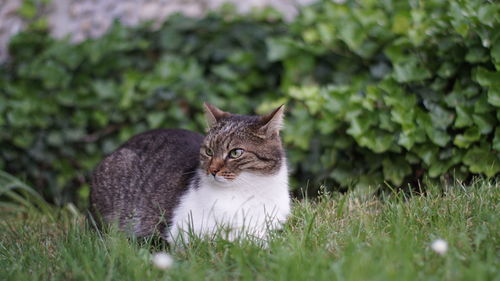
x: 440, y: 246
x: 163, y: 260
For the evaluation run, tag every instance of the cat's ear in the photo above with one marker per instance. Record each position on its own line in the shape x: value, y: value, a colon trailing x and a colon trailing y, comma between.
x: 273, y: 122
x: 213, y: 114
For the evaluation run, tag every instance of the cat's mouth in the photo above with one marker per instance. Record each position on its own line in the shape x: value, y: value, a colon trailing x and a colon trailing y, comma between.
x: 221, y: 178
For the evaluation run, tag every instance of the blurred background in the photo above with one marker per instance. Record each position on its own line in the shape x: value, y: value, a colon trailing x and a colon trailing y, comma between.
x: 82, y: 19
x: 379, y: 94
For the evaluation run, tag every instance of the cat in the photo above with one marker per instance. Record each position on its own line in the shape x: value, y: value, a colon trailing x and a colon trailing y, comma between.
x: 178, y: 183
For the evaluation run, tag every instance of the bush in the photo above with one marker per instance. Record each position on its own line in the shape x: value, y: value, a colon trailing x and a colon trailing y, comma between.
x: 64, y: 106
x: 394, y: 90
x: 376, y: 90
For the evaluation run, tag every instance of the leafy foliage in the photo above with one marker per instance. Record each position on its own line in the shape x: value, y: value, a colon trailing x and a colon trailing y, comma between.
x: 395, y: 90
x: 376, y: 90
x: 64, y: 106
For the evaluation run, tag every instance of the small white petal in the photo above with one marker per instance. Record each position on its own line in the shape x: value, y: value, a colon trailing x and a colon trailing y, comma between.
x: 440, y: 246
x: 163, y: 260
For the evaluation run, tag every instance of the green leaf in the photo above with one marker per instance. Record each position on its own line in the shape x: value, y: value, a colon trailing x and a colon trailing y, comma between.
x: 377, y: 140
x: 344, y: 175
x: 496, y: 140
x: 100, y: 118
x: 437, y: 168
x: 464, y: 117
x: 312, y: 97
x: 486, y: 78
x: 494, y: 96
x: 396, y: 169
x: 441, y: 118
x: 397, y: 51
x: 406, y: 140
x: 471, y: 135
x: 401, y: 22
x: 352, y: 34
x: 326, y: 32
x: 225, y: 72
x: 155, y: 119
x: 128, y: 89
x: 299, y: 136
x: 488, y: 14
x: 365, y: 184
x: 481, y: 159
x: 328, y: 125
x: 105, y: 88
x: 437, y: 136
x: 278, y: 48
x: 481, y: 105
x: 412, y: 158
x: 359, y: 124
x: 447, y: 69
x: 485, y: 122
x: 410, y: 71
x: 52, y: 74
x: 427, y: 152
x: 476, y: 55
x: 55, y: 138
x: 495, y: 54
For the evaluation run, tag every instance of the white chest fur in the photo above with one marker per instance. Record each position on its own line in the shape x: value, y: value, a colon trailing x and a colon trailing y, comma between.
x: 250, y: 205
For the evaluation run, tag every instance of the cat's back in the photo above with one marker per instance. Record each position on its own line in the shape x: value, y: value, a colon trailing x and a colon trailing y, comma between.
x: 140, y: 183
x: 173, y: 143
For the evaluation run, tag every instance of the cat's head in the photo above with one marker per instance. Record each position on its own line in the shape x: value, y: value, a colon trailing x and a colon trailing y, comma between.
x: 237, y: 143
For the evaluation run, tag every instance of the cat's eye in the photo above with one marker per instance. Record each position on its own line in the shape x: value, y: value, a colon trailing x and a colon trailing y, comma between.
x: 209, y: 152
x: 235, y: 153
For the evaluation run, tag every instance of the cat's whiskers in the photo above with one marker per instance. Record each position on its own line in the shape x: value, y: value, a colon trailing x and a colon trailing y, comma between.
x: 188, y: 173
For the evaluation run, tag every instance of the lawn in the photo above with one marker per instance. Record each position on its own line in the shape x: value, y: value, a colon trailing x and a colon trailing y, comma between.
x: 334, y: 237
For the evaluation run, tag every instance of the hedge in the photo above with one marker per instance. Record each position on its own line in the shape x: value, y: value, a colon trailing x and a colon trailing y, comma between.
x: 411, y: 90
x: 378, y: 92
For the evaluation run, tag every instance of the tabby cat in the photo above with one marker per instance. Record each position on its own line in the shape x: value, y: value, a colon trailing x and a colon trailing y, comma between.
x: 175, y: 182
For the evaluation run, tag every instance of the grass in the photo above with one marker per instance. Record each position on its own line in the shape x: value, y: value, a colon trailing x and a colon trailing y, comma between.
x: 336, y: 237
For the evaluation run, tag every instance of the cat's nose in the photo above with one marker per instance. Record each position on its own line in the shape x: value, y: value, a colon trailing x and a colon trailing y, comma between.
x: 215, y: 166
x: 214, y: 171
